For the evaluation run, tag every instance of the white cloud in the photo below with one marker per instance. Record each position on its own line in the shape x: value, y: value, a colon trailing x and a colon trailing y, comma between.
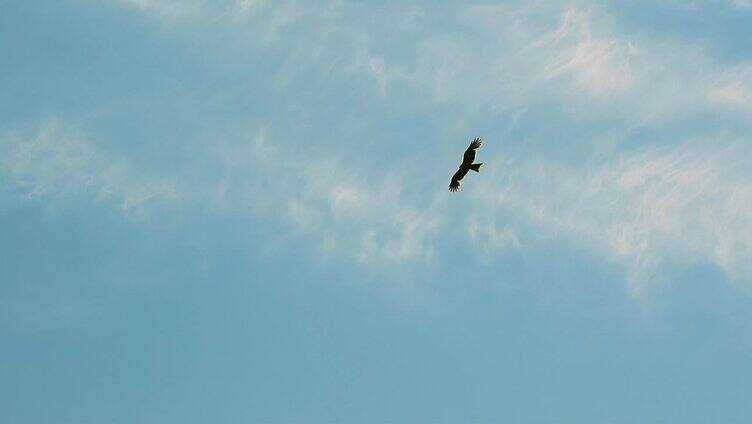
x: 732, y: 93
x: 370, y: 220
x: 733, y: 87
x: 642, y: 211
x: 249, y: 6
x: 318, y: 197
x: 166, y: 10
x: 59, y: 164
x: 742, y: 4
x: 601, y: 65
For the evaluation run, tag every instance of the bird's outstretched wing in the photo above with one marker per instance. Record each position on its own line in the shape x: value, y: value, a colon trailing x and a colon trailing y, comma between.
x: 470, y: 152
x: 454, y: 185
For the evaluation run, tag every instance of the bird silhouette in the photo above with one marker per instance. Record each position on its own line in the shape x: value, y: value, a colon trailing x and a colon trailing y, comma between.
x: 466, y: 165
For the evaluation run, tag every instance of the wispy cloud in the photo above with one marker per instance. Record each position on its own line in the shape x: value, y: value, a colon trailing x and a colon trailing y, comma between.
x: 645, y: 202
x: 166, y: 10
x: 733, y: 87
x: 58, y: 164
x: 600, y: 65
x: 250, y: 17
x: 369, y: 219
x: 644, y: 211
x: 743, y: 4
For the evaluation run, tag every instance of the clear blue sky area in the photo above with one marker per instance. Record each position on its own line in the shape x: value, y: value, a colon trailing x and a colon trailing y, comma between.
x: 237, y: 211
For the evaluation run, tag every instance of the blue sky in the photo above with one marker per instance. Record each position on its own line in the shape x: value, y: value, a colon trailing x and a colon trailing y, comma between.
x: 237, y: 211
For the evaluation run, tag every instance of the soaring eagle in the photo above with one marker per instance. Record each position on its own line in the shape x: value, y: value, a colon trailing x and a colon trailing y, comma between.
x: 466, y: 165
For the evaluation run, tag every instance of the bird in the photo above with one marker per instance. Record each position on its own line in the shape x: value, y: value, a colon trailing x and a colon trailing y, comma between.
x: 466, y: 165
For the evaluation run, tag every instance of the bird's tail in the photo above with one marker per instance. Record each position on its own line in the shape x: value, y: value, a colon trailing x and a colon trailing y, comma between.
x: 476, y: 166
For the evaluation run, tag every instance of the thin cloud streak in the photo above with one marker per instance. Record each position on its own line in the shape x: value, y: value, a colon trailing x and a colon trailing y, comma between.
x: 370, y: 220
x: 59, y: 163
x: 643, y: 212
